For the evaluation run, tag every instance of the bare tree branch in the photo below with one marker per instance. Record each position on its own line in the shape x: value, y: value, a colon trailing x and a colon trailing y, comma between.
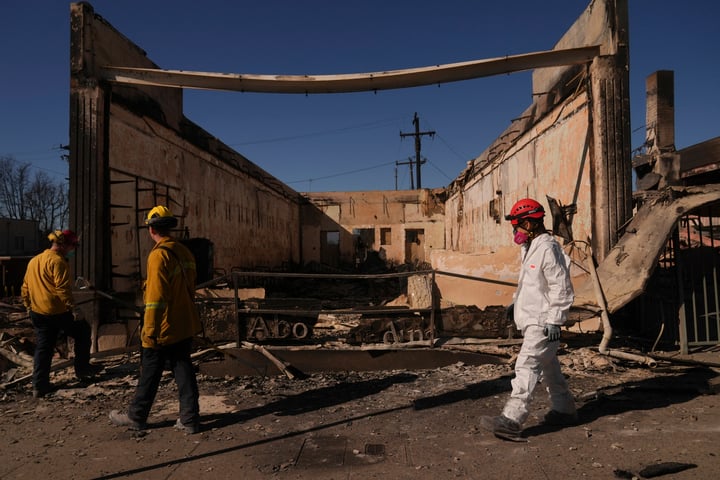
x: 39, y: 198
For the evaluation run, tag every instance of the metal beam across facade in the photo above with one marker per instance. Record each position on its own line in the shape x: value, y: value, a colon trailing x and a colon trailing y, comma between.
x: 345, y: 83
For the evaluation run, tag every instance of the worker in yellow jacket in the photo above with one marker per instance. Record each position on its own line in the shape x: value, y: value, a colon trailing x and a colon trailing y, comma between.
x: 170, y: 321
x: 47, y: 295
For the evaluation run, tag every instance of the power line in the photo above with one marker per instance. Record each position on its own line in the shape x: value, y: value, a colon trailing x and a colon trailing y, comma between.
x: 438, y: 169
x: 462, y: 157
x: 315, y: 134
x: 447, y: 144
x: 32, y: 158
x: 342, y: 173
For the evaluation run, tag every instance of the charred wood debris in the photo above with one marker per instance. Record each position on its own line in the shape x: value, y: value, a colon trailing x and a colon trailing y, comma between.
x: 364, y: 315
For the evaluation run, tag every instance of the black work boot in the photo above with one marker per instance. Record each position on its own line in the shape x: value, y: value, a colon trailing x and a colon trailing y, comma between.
x: 502, y: 427
x: 43, y: 391
x: 559, y: 419
x: 88, y: 372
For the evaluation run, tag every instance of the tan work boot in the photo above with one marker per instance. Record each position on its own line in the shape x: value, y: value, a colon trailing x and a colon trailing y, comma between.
x: 122, y: 420
x: 190, y: 428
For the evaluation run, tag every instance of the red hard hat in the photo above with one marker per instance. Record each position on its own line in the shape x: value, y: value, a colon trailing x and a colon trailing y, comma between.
x: 525, y: 208
x: 70, y: 237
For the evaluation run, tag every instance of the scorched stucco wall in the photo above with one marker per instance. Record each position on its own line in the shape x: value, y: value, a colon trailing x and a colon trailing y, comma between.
x: 398, y: 211
x: 552, y: 158
x: 249, y: 224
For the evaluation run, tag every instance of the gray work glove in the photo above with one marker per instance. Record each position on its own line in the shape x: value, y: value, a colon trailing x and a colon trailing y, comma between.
x: 510, y: 313
x: 552, y: 332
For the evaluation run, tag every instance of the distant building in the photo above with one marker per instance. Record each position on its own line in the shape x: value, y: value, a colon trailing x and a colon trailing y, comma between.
x: 19, y: 237
x: 19, y: 241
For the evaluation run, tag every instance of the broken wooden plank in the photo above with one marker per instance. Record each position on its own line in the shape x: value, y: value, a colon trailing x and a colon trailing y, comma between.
x: 71, y: 362
x: 23, y: 360
x: 284, y: 367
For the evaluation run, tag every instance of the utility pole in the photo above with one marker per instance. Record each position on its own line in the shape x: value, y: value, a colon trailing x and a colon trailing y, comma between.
x: 409, y: 162
x: 417, y: 135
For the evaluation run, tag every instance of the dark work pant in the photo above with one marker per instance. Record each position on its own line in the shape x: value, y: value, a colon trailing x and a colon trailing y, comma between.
x: 152, y: 363
x: 47, y: 329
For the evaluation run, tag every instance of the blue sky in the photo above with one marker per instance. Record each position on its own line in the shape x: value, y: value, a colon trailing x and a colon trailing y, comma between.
x: 347, y: 141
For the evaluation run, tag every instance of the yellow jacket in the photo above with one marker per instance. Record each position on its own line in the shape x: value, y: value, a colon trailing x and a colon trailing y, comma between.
x: 47, y: 288
x: 170, y: 313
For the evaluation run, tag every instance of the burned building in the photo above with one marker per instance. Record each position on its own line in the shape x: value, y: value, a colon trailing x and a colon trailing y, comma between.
x: 131, y: 147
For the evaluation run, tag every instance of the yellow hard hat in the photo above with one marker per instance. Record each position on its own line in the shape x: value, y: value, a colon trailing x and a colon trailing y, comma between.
x: 161, y: 216
x: 64, y: 237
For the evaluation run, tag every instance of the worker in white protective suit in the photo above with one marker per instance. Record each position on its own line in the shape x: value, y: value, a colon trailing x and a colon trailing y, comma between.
x: 540, y: 306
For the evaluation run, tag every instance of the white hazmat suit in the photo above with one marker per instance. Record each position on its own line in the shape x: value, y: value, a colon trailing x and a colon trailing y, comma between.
x: 543, y: 297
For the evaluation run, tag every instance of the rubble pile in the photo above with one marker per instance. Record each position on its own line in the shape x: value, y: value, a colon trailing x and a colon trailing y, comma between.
x: 16, y: 341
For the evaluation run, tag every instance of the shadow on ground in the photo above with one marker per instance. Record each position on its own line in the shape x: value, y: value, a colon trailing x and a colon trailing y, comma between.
x: 310, y: 400
x: 648, y: 394
x: 475, y: 391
